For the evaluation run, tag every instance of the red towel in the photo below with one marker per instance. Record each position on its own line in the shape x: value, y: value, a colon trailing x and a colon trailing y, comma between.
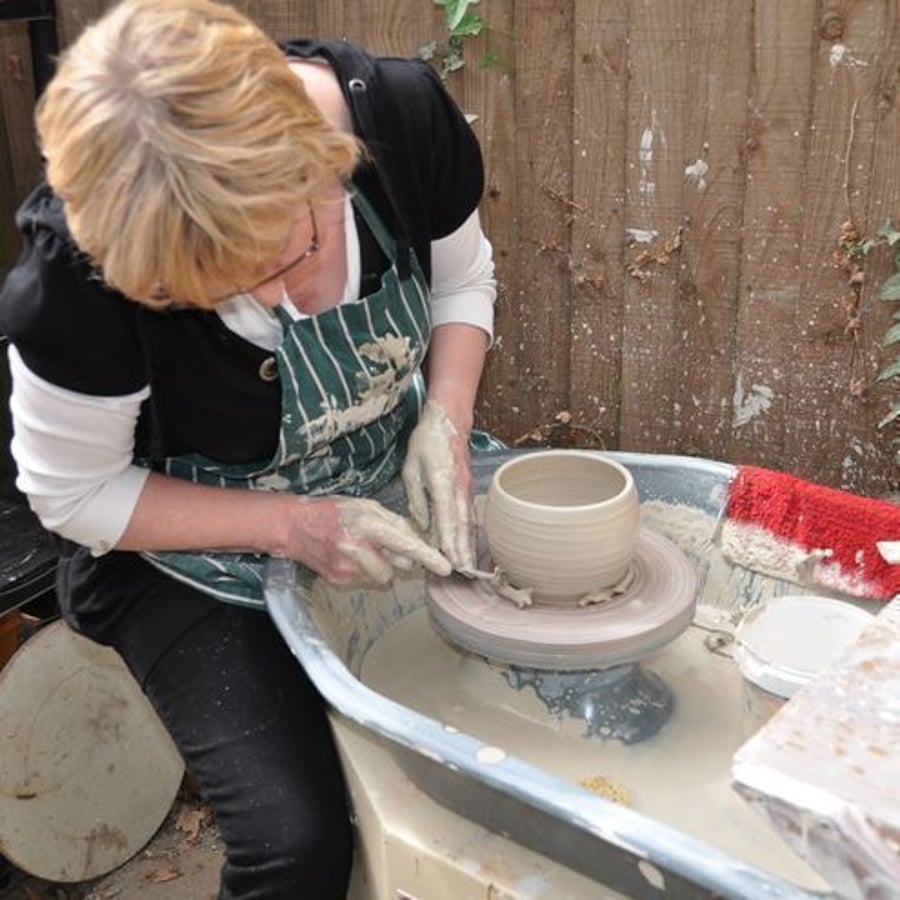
x: 813, y: 535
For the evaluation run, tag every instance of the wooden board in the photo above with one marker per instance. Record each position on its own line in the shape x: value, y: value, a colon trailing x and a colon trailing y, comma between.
x: 824, y: 770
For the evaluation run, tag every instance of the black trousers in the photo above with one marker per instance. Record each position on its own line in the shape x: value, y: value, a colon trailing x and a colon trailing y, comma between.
x: 250, y: 726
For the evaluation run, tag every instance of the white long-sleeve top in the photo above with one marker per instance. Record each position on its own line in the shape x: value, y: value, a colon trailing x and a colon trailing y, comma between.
x: 74, y: 451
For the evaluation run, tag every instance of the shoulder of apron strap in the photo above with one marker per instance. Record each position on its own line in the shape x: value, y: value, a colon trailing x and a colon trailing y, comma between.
x: 357, y: 73
x: 349, y: 60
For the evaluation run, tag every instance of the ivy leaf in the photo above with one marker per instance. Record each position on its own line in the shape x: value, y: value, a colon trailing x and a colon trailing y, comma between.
x: 892, y: 336
x: 892, y: 416
x: 864, y: 247
x: 454, y: 11
x: 492, y: 59
x: 892, y: 371
x: 890, y: 290
x: 889, y: 233
x: 470, y: 25
x: 428, y: 51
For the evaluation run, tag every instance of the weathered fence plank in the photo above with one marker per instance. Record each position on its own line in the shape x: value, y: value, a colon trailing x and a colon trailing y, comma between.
x: 597, y: 206
x: 778, y: 107
x: 532, y: 367
x: 17, y: 105
x: 827, y: 383
x: 488, y: 94
x: 712, y: 156
x: 881, y: 205
x: 656, y: 113
x: 283, y: 20
x: 73, y: 15
x: 398, y: 27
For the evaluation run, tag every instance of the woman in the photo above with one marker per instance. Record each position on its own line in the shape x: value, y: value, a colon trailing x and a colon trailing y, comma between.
x: 218, y: 330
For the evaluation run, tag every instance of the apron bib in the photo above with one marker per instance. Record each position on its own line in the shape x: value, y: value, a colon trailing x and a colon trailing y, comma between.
x: 351, y: 388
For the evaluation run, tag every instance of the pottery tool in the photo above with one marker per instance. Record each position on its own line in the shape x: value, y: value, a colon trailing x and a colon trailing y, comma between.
x: 810, y: 534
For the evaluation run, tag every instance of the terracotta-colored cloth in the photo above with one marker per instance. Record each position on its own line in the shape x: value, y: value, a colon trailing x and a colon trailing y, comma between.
x: 811, y: 534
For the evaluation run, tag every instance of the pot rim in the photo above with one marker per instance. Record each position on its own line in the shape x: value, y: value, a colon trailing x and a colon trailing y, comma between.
x: 593, y: 455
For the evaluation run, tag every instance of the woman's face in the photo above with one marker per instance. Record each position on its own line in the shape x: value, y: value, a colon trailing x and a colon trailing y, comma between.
x: 302, y: 243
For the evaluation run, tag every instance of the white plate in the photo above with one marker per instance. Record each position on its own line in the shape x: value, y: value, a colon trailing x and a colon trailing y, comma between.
x: 784, y: 643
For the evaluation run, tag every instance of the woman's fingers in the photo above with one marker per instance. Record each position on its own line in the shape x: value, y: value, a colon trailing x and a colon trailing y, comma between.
x: 350, y: 540
x: 416, y: 495
x: 438, y: 487
x: 370, y: 522
x: 370, y: 563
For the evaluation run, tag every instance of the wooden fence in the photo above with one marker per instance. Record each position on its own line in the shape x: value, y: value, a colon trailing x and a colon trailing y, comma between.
x: 669, y: 187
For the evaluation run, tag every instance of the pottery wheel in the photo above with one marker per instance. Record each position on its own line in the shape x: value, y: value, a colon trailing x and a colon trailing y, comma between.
x: 655, y: 608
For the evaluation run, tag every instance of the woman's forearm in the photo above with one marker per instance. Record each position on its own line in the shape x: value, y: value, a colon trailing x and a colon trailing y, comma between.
x: 347, y: 540
x: 173, y: 514
x: 455, y: 363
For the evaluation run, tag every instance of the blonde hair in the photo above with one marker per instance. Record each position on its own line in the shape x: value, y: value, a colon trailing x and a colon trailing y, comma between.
x: 183, y: 146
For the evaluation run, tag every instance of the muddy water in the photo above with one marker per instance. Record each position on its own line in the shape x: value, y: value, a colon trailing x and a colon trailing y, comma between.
x: 680, y: 776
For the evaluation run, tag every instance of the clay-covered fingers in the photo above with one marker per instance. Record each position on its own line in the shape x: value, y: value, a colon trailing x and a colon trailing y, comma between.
x: 454, y: 519
x: 401, y: 562
x: 428, y: 459
x: 416, y: 493
x: 370, y: 565
x: 349, y: 541
x: 438, y: 485
x: 391, y: 535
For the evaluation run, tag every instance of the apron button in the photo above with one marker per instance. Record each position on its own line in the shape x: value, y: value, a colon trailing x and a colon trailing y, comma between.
x: 268, y: 369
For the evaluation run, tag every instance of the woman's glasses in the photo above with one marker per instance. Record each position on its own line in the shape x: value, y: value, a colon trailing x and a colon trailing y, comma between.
x: 280, y: 272
x: 311, y: 250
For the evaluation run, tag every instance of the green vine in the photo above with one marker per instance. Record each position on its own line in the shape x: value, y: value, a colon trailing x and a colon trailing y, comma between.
x: 461, y: 23
x: 853, y: 250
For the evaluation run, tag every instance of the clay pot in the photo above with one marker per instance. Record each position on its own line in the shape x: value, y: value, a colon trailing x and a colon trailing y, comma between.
x: 563, y: 522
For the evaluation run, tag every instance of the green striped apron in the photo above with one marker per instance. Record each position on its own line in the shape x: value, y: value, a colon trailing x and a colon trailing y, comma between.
x: 351, y: 387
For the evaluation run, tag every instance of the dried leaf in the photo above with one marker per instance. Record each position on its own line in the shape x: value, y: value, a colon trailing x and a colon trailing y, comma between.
x: 190, y: 821
x: 163, y: 872
x: 104, y: 893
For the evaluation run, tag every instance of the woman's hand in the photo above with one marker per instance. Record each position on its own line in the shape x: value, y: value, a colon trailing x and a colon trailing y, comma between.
x: 350, y: 540
x: 438, y: 484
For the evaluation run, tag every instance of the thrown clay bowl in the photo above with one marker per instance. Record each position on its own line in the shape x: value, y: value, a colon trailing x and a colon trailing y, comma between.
x: 563, y: 522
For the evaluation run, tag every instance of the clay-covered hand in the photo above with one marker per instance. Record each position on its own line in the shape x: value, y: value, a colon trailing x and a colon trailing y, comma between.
x: 350, y: 540
x: 438, y: 482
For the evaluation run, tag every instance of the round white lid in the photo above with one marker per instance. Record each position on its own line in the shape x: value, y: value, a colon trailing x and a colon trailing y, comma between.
x: 782, y: 644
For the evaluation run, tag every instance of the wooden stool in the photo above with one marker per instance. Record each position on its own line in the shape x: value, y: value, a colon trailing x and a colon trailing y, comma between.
x: 87, y: 772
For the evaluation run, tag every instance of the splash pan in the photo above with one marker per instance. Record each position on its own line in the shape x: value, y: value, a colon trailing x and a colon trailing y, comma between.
x: 503, y: 753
